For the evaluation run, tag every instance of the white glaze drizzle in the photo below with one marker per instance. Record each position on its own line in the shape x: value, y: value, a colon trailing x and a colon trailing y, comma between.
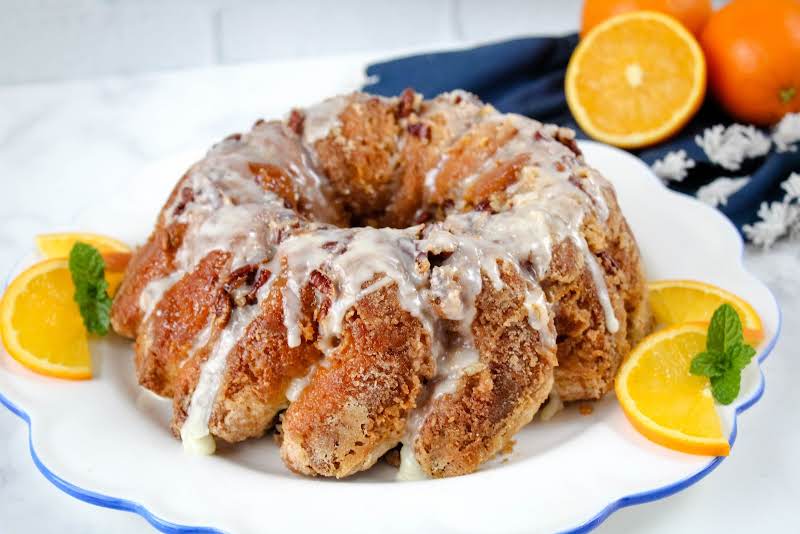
x: 320, y: 119
x: 195, y: 434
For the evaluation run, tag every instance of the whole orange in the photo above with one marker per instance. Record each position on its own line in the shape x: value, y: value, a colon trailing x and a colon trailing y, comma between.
x: 692, y: 13
x: 753, y: 52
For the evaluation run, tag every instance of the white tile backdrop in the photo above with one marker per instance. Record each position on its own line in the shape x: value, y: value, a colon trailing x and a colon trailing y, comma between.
x: 42, y: 40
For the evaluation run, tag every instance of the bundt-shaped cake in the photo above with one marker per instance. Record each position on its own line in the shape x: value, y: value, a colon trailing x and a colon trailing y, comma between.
x: 381, y: 271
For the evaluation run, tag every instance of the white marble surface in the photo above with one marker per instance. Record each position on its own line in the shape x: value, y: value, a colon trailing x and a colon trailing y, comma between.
x: 67, y: 146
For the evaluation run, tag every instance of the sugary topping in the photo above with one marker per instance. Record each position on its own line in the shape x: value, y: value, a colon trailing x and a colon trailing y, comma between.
x: 261, y: 198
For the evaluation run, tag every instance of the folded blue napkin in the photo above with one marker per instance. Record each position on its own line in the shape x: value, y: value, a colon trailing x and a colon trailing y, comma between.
x: 742, y: 170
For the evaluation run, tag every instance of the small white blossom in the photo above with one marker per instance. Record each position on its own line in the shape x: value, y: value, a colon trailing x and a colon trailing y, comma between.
x: 787, y: 132
x: 717, y: 192
x: 777, y: 219
x: 792, y: 187
x: 673, y: 166
x: 729, y: 147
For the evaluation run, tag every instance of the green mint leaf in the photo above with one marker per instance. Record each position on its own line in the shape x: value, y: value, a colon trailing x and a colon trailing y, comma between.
x: 725, y: 330
x: 740, y: 355
x: 708, y: 364
x: 725, y: 388
x: 725, y: 356
x: 87, y: 268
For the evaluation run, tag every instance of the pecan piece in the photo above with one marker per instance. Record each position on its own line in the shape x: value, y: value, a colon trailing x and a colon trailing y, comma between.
x: 423, y: 217
x: 420, y: 129
x: 320, y: 282
x: 296, y: 120
x: 484, y: 205
x: 261, y: 278
x: 567, y: 138
x: 222, y: 309
x: 187, y: 195
x: 243, y: 275
x: 406, y: 104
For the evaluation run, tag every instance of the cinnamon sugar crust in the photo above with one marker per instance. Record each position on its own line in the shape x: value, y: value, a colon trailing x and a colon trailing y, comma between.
x: 373, y: 272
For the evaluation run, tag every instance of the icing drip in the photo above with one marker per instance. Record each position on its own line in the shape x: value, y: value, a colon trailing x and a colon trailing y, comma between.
x: 321, y: 118
x: 369, y: 259
x: 194, y: 432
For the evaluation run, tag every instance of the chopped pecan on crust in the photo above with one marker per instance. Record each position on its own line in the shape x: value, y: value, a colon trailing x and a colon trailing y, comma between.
x: 222, y: 309
x: 260, y: 279
x: 406, y: 104
x: 296, y: 121
x: 245, y: 274
x: 187, y: 195
x: 420, y: 129
x: 320, y: 282
x: 568, y: 140
x: 484, y: 205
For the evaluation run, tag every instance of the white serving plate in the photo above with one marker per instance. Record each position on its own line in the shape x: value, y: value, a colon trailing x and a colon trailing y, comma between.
x: 106, y: 441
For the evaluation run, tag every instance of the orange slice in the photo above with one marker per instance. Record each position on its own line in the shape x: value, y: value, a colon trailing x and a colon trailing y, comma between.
x: 666, y: 403
x: 115, y: 253
x: 41, y: 324
x: 635, y: 79
x: 684, y: 301
x: 59, y: 245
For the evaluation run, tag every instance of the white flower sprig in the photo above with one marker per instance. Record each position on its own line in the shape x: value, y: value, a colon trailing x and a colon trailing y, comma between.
x: 787, y: 133
x: 673, y: 167
x: 792, y: 187
x: 778, y: 218
x: 717, y: 192
x: 729, y: 147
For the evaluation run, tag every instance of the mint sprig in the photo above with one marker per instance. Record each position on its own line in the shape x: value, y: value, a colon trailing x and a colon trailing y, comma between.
x: 725, y: 356
x: 87, y: 267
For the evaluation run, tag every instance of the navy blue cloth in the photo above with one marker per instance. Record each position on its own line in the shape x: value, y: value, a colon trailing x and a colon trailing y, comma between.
x: 526, y: 76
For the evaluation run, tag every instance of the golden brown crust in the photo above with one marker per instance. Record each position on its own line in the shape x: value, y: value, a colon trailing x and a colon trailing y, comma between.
x: 514, y: 377
x: 259, y: 368
x: 151, y: 261
x: 169, y: 334
x: 355, y: 410
x: 357, y: 158
x: 588, y: 354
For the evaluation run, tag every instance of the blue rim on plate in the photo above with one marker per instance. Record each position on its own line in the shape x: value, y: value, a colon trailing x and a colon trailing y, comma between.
x: 162, y: 525
x: 115, y: 503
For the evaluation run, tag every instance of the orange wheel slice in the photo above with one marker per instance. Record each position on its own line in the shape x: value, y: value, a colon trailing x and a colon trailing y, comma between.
x: 666, y: 403
x: 636, y: 79
x: 41, y: 324
x: 115, y: 253
x: 685, y: 301
x: 59, y: 245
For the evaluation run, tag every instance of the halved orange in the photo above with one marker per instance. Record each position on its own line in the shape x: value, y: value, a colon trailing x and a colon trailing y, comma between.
x: 636, y: 79
x: 41, y: 324
x: 685, y: 301
x: 666, y: 403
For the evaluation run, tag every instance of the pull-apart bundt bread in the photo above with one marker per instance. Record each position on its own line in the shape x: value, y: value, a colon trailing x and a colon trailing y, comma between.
x: 373, y: 272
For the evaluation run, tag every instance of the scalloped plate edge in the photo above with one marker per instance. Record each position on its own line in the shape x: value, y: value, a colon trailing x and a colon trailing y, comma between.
x: 117, y: 503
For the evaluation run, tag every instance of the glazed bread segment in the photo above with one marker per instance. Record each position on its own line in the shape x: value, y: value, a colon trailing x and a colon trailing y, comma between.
x: 355, y: 408
x: 499, y: 395
x: 172, y: 329
x: 588, y: 354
